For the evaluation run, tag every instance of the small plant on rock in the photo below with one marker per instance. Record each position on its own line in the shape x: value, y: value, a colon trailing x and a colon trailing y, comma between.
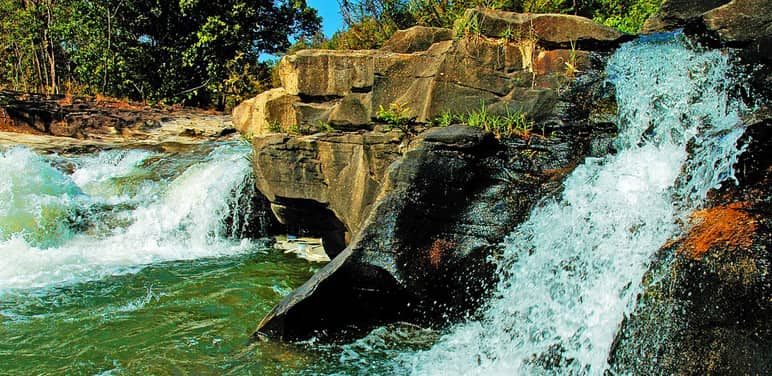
x: 571, y: 69
x: 467, y: 27
x: 518, y: 124
x: 446, y: 118
x: 479, y: 118
x: 324, y: 127
x: 512, y: 124
x: 274, y: 127
x: 396, y: 116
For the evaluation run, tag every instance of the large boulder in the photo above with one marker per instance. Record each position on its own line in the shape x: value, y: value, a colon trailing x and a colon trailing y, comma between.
x: 443, y: 206
x: 421, y: 253
x: 551, y: 30
x: 325, y: 183
x: 737, y: 23
x: 673, y: 14
x: 416, y: 38
x: 324, y: 73
x: 265, y: 112
x: 744, y: 23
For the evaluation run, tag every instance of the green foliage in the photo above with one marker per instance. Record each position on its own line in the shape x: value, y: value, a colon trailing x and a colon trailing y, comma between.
x: 372, y: 22
x: 324, y: 127
x: 274, y: 127
x: 625, y: 15
x: 294, y: 129
x: 468, y: 27
x: 571, y: 69
x: 512, y: 124
x: 547, y: 6
x: 396, y: 116
x: 190, y: 51
x: 447, y: 118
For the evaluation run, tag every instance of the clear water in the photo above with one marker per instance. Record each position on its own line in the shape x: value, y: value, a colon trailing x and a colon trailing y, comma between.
x: 572, y: 271
x: 125, y: 262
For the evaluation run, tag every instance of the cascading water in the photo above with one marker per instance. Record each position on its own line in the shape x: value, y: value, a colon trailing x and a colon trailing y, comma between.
x: 131, y: 261
x: 136, y: 262
x: 573, y: 269
x: 109, y: 216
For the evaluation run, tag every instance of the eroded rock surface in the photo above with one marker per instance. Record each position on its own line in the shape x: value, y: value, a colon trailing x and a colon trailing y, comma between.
x: 416, y: 38
x: 325, y: 183
x: 430, y: 71
x: 433, y: 216
x: 550, y: 30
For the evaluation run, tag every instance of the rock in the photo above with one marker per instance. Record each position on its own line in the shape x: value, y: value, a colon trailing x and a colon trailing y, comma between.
x: 354, y: 110
x: 325, y: 183
x: 420, y: 250
x: 105, y: 121
x: 746, y: 22
x: 708, y: 295
x: 741, y: 21
x: 561, y: 61
x: 416, y: 38
x: 346, y: 88
x: 550, y: 30
x: 674, y: 14
x: 738, y: 23
x: 324, y: 73
x: 421, y: 254
x: 266, y: 113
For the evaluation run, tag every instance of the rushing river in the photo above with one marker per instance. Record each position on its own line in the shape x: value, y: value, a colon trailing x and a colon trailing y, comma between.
x: 137, y: 262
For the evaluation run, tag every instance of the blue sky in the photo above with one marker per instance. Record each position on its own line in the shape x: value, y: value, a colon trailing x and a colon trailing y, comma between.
x: 329, y: 10
x: 331, y: 20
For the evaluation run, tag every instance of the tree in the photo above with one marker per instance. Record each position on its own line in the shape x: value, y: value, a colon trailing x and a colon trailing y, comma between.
x: 157, y: 50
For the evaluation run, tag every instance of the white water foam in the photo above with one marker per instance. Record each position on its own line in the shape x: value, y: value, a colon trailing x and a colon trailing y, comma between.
x: 185, y: 222
x: 572, y: 271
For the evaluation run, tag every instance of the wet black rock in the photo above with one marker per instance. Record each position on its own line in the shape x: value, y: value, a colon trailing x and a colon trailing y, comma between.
x: 707, y: 301
x: 423, y: 251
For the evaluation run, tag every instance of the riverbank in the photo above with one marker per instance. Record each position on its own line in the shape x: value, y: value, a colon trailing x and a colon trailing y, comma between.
x: 44, y: 122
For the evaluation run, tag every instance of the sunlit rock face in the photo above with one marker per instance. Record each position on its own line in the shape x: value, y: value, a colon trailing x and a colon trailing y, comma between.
x: 414, y: 220
x: 745, y: 24
x: 510, y: 62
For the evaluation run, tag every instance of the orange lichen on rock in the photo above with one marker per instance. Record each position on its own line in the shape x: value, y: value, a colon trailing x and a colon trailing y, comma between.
x: 438, y: 250
x: 725, y: 226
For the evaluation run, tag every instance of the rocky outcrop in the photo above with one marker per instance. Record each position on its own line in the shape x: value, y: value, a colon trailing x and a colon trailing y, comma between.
x: 429, y: 71
x: 411, y: 221
x: 549, y: 30
x: 51, y: 115
x: 674, y: 14
x: 737, y: 23
x: 416, y: 38
x: 422, y: 227
x: 413, y: 218
x: 708, y: 296
x: 325, y: 184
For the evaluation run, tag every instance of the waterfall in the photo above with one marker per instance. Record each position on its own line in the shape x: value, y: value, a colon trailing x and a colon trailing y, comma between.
x: 571, y: 272
x: 69, y: 219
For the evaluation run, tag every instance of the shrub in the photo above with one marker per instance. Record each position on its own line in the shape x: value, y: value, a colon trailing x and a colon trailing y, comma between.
x: 396, y: 116
x: 514, y: 123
